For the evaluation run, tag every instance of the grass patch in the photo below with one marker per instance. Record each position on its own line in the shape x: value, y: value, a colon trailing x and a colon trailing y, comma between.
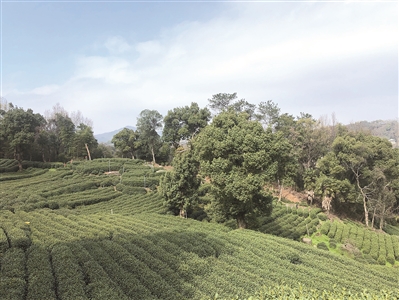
x: 317, y: 238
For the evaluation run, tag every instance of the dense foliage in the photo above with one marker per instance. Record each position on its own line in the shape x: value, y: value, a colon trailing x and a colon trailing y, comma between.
x: 179, y: 187
x: 25, y: 135
x: 235, y: 153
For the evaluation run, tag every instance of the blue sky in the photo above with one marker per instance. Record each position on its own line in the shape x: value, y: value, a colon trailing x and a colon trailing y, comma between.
x: 111, y: 60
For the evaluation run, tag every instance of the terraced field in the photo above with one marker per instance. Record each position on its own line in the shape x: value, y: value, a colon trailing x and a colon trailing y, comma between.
x: 152, y: 256
x: 125, y: 247
x: 354, y: 240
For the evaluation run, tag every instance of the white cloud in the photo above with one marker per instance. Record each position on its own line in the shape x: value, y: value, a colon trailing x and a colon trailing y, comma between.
x: 45, y: 90
x: 149, y: 48
x: 117, y: 45
x: 291, y: 53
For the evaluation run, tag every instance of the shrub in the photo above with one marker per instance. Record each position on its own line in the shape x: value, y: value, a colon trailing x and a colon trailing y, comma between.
x: 374, y: 249
x: 313, y: 212
x: 12, y: 288
x: 3, y: 242
x: 17, y: 236
x: 133, y: 190
x: 367, y: 240
x: 338, y: 233
x: 322, y: 216
x: 381, y: 260
x: 369, y: 259
x: 314, y: 222
x: 345, y: 233
x: 13, y: 263
x: 391, y: 259
x: 322, y: 246
x: 325, y: 227
x: 119, y: 187
x: 381, y: 243
x: 333, y: 229
x: 53, y: 205
x: 69, y: 275
x: 389, y: 246
x: 359, y: 238
x: 40, y: 280
x: 395, y: 245
x: 312, y: 230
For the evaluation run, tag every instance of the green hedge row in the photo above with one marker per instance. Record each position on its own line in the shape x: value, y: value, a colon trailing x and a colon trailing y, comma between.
x: 3, y: 241
x: 301, y: 292
x: 68, y: 274
x: 11, y: 165
x: 40, y: 274
x: 17, y: 234
x: 12, y: 274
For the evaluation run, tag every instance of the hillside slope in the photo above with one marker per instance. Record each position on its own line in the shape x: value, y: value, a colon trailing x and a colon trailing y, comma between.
x: 152, y: 256
x: 80, y: 234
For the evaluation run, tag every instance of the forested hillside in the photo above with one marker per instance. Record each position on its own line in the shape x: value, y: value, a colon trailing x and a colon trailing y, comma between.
x: 382, y: 128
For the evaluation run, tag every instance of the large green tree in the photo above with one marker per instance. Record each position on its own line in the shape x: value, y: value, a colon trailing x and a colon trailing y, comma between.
x: 18, y: 129
x: 127, y: 142
x: 148, y: 124
x: 268, y: 113
x: 61, y: 137
x: 364, y: 165
x: 182, y: 123
x: 239, y: 157
x: 85, y: 142
x: 179, y: 187
x: 221, y: 102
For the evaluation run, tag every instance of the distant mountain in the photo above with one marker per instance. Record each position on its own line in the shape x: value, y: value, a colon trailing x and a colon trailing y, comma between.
x: 107, y: 136
x: 382, y: 128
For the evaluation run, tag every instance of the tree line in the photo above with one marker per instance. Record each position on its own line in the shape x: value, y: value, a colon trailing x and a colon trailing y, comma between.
x: 247, y: 150
x: 58, y: 136
x: 235, y: 147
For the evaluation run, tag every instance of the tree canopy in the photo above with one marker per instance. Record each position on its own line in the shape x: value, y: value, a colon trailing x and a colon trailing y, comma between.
x: 127, y: 142
x: 235, y: 155
x: 361, y: 167
x: 18, y: 130
x: 148, y: 123
x: 182, y: 123
x: 179, y: 187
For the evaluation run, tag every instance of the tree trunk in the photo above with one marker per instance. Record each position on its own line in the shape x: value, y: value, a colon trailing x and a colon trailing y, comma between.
x: 382, y: 217
x: 88, y: 151
x: 366, y: 212
x: 182, y: 213
x: 17, y: 156
x: 153, y: 155
x: 241, y: 221
x: 280, y: 188
x: 373, y: 218
x: 20, y: 165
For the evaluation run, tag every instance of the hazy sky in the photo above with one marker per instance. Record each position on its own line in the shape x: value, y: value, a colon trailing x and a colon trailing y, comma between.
x: 112, y: 60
